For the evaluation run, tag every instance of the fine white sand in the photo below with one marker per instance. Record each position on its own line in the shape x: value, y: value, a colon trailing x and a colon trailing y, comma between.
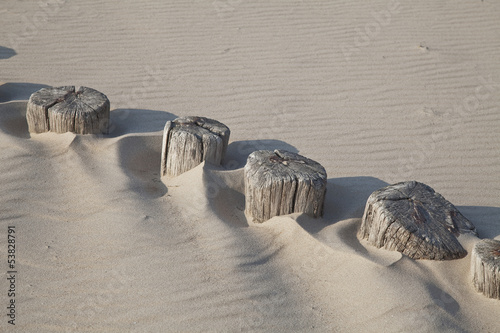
x: 377, y: 92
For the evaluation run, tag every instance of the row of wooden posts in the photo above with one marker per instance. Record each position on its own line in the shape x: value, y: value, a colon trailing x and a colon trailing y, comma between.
x: 409, y: 217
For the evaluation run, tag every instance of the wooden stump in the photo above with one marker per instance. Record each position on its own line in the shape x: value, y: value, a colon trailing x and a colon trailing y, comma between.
x: 64, y: 109
x: 280, y: 182
x: 485, y: 267
x: 188, y: 141
x: 411, y: 218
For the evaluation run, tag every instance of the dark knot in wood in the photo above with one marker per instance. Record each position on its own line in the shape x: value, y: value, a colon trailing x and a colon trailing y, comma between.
x: 280, y: 158
x: 277, y: 158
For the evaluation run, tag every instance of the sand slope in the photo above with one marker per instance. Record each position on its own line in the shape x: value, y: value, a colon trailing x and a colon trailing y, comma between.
x: 377, y: 93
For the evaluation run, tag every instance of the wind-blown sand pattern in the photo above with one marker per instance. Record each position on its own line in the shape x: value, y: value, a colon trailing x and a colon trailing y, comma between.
x: 376, y: 92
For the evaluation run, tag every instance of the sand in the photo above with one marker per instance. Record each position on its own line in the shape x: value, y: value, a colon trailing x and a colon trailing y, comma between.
x: 376, y: 92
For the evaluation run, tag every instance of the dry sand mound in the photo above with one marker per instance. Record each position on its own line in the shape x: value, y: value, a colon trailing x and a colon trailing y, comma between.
x: 376, y: 92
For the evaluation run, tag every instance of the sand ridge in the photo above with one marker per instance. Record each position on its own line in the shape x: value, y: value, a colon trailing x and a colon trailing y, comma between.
x: 377, y: 92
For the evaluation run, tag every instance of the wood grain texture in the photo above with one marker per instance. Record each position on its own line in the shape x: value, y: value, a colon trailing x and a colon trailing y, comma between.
x: 188, y: 141
x: 410, y: 217
x: 39, y: 104
x: 280, y: 182
x: 64, y: 109
x: 485, y: 267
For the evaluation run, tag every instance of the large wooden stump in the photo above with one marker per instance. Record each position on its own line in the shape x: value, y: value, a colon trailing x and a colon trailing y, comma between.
x: 64, y: 109
x: 485, y: 267
x: 411, y: 218
x: 188, y: 141
x: 280, y: 182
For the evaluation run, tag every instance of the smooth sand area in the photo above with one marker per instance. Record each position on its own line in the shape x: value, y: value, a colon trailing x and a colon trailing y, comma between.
x: 377, y: 92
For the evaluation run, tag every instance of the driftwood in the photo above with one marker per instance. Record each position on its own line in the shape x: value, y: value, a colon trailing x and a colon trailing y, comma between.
x: 188, y: 141
x: 64, y: 109
x: 485, y: 267
x: 411, y: 218
x: 280, y: 182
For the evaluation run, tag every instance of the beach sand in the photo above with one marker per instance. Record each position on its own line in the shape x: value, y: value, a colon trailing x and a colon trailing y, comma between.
x: 377, y: 92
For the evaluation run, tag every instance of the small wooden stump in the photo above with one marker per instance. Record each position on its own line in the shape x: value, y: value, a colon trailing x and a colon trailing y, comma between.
x: 280, y: 182
x: 188, y: 141
x: 485, y: 267
x: 411, y: 218
x: 64, y: 109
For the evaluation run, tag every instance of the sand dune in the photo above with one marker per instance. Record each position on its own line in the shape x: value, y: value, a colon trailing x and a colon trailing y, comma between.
x: 376, y: 92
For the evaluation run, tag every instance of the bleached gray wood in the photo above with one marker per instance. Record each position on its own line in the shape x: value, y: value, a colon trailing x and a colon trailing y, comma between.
x: 188, y: 141
x: 485, y: 267
x: 39, y: 104
x: 280, y: 182
x: 410, y: 217
x: 64, y: 109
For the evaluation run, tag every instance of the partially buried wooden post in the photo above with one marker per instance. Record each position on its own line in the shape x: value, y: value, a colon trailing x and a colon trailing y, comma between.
x: 410, y: 217
x: 65, y: 109
x: 188, y: 141
x: 280, y: 182
x: 485, y: 267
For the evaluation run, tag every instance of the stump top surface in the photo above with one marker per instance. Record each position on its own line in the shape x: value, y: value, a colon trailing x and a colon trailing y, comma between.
x: 84, y: 98
x: 416, y: 204
x: 50, y: 95
x: 282, y: 164
x: 489, y: 251
x: 200, y: 126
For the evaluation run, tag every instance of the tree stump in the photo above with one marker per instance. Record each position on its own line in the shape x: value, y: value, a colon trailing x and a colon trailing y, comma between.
x: 411, y: 218
x: 64, y: 109
x: 188, y: 141
x: 280, y: 182
x: 485, y: 267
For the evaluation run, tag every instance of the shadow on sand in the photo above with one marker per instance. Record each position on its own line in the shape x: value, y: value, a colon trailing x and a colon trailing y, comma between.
x: 345, y: 199
x: 486, y: 219
x: 18, y: 91
x: 13, y: 119
x: 7, y: 52
x: 133, y: 121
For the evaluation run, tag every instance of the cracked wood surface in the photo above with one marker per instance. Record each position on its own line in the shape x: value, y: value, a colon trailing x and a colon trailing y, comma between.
x: 64, y: 109
x: 485, y: 267
x: 410, y: 217
x: 188, y: 141
x: 280, y: 182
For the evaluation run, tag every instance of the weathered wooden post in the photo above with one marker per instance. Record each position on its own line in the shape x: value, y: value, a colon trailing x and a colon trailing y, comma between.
x: 280, y: 182
x: 188, y: 141
x: 411, y: 218
x: 485, y: 267
x: 64, y: 109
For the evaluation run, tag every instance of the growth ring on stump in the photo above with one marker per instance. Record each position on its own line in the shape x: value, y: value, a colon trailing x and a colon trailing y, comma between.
x: 188, y: 141
x: 485, y: 267
x: 280, y: 182
x: 64, y: 109
x: 410, y: 217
